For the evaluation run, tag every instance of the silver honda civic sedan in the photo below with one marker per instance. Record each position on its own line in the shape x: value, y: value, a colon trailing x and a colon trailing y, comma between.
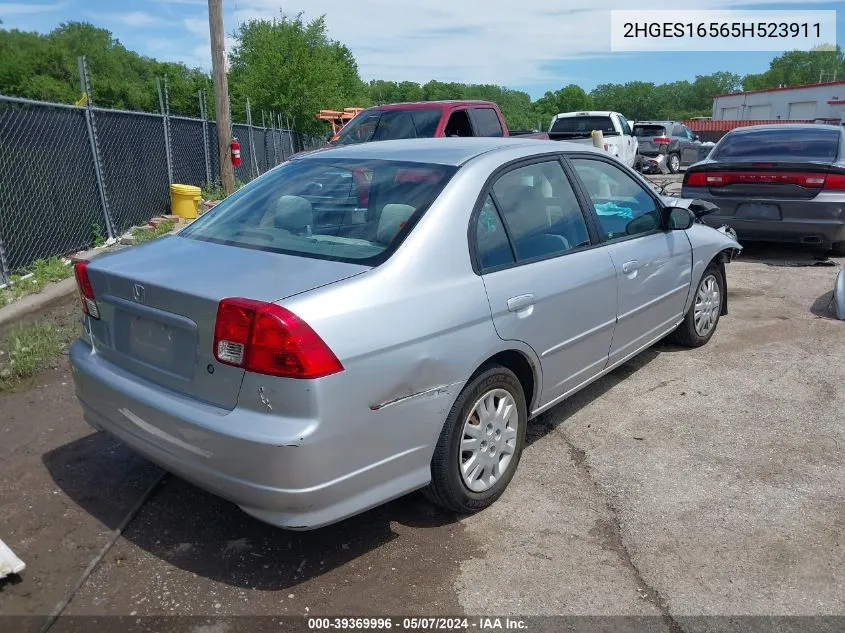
x: 375, y: 319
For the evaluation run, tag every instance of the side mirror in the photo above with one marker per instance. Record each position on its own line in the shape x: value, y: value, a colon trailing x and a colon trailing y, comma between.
x: 679, y: 219
x: 696, y: 137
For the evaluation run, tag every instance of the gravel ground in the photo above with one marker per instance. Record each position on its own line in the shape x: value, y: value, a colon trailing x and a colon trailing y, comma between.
x: 685, y: 483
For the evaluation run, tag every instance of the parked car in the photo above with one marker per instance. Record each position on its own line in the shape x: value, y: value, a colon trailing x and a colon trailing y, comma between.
x: 427, y: 119
x: 309, y: 370
x: 577, y: 127
x: 781, y: 183
x: 674, y: 140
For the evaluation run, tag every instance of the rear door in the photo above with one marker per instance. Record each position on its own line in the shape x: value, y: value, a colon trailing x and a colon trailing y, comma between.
x: 688, y: 146
x: 548, y: 285
x: 653, y: 266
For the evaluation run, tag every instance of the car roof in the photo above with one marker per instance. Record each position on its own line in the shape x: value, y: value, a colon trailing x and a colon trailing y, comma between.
x: 784, y: 126
x: 654, y: 122
x: 417, y: 105
x: 569, y: 115
x: 440, y: 151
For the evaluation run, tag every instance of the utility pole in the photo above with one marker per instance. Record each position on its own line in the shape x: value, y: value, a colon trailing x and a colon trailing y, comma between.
x: 221, y: 94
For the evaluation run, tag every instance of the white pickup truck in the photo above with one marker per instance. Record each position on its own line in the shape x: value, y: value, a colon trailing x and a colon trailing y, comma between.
x: 577, y: 127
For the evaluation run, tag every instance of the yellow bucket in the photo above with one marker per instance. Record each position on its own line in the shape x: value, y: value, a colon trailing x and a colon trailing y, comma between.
x: 184, y: 200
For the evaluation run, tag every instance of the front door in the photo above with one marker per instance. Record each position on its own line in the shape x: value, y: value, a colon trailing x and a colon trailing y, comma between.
x: 653, y: 265
x: 548, y: 285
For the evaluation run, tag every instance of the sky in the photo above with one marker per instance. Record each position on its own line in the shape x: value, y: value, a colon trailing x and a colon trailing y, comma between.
x: 531, y: 45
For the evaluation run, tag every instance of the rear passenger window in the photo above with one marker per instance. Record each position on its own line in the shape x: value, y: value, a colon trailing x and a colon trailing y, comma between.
x: 541, y: 211
x: 487, y: 122
x: 491, y: 240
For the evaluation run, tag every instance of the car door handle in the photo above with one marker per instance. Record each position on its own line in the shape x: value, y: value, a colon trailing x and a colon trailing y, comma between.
x: 630, y: 267
x: 517, y: 304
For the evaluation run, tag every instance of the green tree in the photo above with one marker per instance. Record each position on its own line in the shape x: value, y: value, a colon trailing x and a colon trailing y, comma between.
x: 292, y: 67
x: 794, y: 68
x: 44, y: 67
x: 570, y: 98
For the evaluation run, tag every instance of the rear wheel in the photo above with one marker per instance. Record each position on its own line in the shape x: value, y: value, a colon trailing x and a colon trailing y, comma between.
x: 838, y: 249
x: 701, y: 320
x: 673, y: 162
x: 481, y: 442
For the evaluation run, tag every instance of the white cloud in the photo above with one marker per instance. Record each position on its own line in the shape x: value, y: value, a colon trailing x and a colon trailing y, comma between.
x: 197, y: 26
x: 23, y: 8
x: 131, y: 18
x: 479, y: 41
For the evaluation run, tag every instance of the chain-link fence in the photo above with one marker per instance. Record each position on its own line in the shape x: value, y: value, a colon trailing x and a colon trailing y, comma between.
x: 71, y: 176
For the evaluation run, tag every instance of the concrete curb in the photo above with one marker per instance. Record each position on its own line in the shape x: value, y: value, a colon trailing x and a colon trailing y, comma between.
x: 50, y: 295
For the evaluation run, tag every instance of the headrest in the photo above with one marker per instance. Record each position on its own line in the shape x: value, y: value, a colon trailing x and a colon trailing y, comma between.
x: 294, y: 214
x: 393, y: 216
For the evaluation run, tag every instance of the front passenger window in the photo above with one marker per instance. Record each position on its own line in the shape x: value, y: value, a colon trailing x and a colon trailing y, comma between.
x: 623, y: 206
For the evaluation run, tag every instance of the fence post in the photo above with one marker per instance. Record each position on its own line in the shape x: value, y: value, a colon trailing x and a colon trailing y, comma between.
x: 273, y: 137
x: 164, y: 104
x: 254, y: 158
x: 94, y: 142
x: 5, y: 273
x: 290, y: 136
x: 204, y: 116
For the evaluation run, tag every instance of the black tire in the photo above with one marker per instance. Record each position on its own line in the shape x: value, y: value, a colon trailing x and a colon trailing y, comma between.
x: 686, y: 334
x: 447, y: 488
x: 675, y: 159
x: 838, y: 249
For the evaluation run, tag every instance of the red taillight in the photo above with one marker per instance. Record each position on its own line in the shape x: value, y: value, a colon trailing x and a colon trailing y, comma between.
x: 725, y: 178
x: 695, y: 179
x: 265, y: 338
x: 836, y: 182
x: 86, y: 291
x: 661, y: 140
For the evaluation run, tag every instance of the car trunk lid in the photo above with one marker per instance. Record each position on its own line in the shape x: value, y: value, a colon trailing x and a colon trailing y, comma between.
x: 158, y: 304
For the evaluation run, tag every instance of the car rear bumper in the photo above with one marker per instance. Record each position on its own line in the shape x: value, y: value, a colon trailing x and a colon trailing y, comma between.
x: 292, y: 472
x: 819, y: 221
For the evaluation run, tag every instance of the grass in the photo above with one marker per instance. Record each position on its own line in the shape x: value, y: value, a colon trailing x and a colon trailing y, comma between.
x: 43, y: 271
x: 145, y: 235
x: 27, y: 349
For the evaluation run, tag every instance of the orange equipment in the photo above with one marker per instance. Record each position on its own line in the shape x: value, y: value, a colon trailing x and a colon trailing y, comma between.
x: 338, y: 119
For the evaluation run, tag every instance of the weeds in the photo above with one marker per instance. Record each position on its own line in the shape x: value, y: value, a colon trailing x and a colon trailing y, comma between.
x: 145, y: 234
x: 27, y: 349
x: 97, y: 237
x: 214, y: 190
x: 32, y: 281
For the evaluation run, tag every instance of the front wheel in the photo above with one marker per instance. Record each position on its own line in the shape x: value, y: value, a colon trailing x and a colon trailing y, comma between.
x: 481, y: 442
x: 701, y: 320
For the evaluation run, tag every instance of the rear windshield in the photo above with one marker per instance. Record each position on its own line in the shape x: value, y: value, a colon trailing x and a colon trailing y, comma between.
x: 347, y: 210
x: 386, y: 125
x: 577, y: 126
x: 805, y: 144
x: 649, y: 130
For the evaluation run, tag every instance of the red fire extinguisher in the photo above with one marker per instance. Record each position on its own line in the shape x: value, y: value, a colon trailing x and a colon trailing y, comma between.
x: 236, y: 152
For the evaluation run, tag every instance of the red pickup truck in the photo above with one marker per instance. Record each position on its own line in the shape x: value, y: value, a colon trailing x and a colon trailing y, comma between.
x: 427, y: 119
